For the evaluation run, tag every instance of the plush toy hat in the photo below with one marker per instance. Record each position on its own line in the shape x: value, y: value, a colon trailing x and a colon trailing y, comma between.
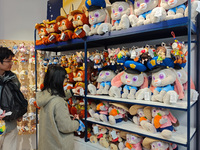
x: 133, y: 109
x: 37, y: 25
x: 112, y: 1
x: 48, y: 21
x: 120, y: 105
x: 147, y: 142
x: 95, y: 4
x: 135, y: 65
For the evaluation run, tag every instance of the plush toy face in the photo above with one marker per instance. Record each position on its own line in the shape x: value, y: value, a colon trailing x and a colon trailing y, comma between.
x: 163, y: 78
x: 159, y: 146
x: 132, y: 139
x: 132, y: 79
x: 142, y: 6
x: 167, y: 4
x: 52, y: 28
x: 65, y: 24
x: 79, y: 76
x: 140, y: 112
x: 182, y: 75
x: 80, y: 20
x: 119, y: 9
x: 107, y: 75
x: 97, y: 16
x: 42, y: 32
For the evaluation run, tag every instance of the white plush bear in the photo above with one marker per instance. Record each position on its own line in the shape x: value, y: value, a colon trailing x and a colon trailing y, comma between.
x: 143, y: 9
x: 175, y: 8
x: 166, y: 82
x: 195, y: 9
x: 120, y: 10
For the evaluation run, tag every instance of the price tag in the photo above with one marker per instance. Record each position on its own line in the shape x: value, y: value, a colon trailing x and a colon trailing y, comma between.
x: 147, y: 96
x: 95, y: 129
x: 78, y: 31
x: 158, y: 12
x: 114, y: 135
x: 173, y: 98
x: 105, y: 28
x: 198, y: 8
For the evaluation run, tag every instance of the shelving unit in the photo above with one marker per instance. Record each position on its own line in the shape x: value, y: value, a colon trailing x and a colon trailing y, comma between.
x: 181, y: 26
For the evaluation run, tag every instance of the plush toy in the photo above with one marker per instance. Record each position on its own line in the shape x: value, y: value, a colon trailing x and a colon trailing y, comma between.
x: 133, y: 141
x: 52, y: 29
x: 147, y: 12
x: 153, y: 144
x: 65, y: 26
x: 120, y: 10
x: 98, y: 17
x: 97, y: 60
x: 114, y: 138
x: 93, y: 76
x: 22, y: 48
x: 131, y: 78
x: 122, y: 56
x: 80, y: 18
x: 175, y: 8
x: 145, y: 55
x: 104, y: 82
x: 142, y: 116
x: 41, y: 28
x: 106, y: 60
x: 63, y: 62
x: 161, y: 53
x: 32, y: 49
x: 194, y: 10
x: 164, y: 122
x: 113, y: 55
x: 55, y: 60
x: 79, y: 78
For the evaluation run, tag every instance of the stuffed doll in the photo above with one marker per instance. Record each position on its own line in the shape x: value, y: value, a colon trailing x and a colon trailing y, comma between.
x: 131, y: 78
x: 97, y: 60
x: 63, y: 62
x: 80, y: 18
x: 22, y: 48
x: 147, y: 12
x: 93, y: 76
x: 79, y: 78
x: 106, y: 60
x: 104, y: 82
x: 117, y: 113
x: 114, y: 138
x: 65, y: 26
x: 175, y: 8
x: 41, y: 28
x: 52, y: 30
x: 194, y: 10
x: 153, y: 144
x: 133, y: 141
x: 164, y: 122
x: 145, y: 55
x: 120, y: 10
x: 134, y: 53
x: 122, y: 56
x: 98, y: 17
x: 142, y: 116
x: 32, y: 49
x: 161, y: 53
x: 113, y: 55
x: 55, y: 60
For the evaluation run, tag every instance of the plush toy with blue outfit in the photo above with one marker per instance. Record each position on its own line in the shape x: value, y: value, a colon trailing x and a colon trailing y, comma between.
x: 98, y: 17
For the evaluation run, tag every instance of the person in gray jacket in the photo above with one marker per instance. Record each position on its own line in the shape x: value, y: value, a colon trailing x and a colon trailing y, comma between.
x: 8, y: 141
x: 55, y: 124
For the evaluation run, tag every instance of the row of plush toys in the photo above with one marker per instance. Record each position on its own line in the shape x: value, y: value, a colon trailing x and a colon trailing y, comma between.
x: 124, y: 13
x: 149, y: 74
x: 121, y: 140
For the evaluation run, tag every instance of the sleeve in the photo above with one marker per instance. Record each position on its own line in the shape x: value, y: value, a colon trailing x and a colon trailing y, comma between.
x: 16, y: 81
x: 68, y: 94
x: 63, y: 120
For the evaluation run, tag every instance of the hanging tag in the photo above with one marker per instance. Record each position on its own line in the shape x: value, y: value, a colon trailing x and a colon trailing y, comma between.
x: 95, y: 129
x: 114, y: 135
x: 151, y: 53
x: 158, y: 12
x: 198, y: 8
x: 168, y: 52
x: 78, y: 31
x: 51, y: 38
x: 82, y: 92
x: 147, y: 96
x: 62, y: 36
x: 195, y: 95
x: 105, y: 28
x: 173, y: 98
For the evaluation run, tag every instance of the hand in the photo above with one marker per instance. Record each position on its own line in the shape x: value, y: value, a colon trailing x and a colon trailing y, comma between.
x: 76, y: 90
x: 2, y: 115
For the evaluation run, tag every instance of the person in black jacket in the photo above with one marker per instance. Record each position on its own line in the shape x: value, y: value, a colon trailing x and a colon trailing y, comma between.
x: 8, y: 140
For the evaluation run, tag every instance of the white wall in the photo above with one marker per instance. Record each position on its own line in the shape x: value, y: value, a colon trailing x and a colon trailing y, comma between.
x: 18, y: 18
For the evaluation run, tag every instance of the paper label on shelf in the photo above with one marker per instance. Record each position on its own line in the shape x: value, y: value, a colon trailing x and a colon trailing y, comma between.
x: 158, y: 12
x: 114, y: 134
x: 105, y: 28
x: 195, y: 95
x: 78, y: 31
x: 173, y: 98
x: 198, y: 8
x: 147, y: 96
x: 95, y: 129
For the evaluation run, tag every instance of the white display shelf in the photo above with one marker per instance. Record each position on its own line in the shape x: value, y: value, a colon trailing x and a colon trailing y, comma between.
x: 178, y: 137
x: 92, y: 145
x: 180, y: 105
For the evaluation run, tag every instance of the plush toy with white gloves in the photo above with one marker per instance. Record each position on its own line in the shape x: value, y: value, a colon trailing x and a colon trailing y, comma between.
x: 195, y: 9
x: 120, y: 10
x: 148, y: 12
x: 98, y: 17
x: 175, y: 8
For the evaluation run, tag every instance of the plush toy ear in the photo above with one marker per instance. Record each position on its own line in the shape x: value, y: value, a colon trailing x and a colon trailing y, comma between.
x: 172, y: 118
x: 70, y: 17
x: 145, y: 83
x: 131, y: 9
x: 58, y: 23
x: 107, y: 18
x: 179, y: 89
x: 116, y: 81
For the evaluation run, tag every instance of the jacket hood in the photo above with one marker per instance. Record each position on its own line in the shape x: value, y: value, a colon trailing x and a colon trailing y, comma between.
x: 43, y: 97
x: 8, y: 76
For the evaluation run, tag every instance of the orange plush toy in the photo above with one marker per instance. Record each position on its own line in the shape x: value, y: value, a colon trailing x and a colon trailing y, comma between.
x: 65, y: 26
x: 41, y: 28
x: 79, y: 19
x: 52, y: 29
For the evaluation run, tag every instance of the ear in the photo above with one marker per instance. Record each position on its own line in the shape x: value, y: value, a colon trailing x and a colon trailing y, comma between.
x: 109, y: 50
x: 145, y: 83
x: 116, y: 81
x: 58, y: 23
x: 70, y: 17
x: 86, y: 13
x: 117, y: 50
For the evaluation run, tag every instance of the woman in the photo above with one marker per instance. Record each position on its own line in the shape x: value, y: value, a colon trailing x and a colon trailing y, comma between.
x: 55, y: 125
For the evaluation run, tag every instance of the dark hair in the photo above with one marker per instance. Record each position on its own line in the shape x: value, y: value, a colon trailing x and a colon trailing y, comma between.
x: 53, y: 80
x: 5, y: 53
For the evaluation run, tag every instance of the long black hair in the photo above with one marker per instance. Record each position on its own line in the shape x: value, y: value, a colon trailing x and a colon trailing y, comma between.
x: 53, y: 80
x: 5, y: 53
